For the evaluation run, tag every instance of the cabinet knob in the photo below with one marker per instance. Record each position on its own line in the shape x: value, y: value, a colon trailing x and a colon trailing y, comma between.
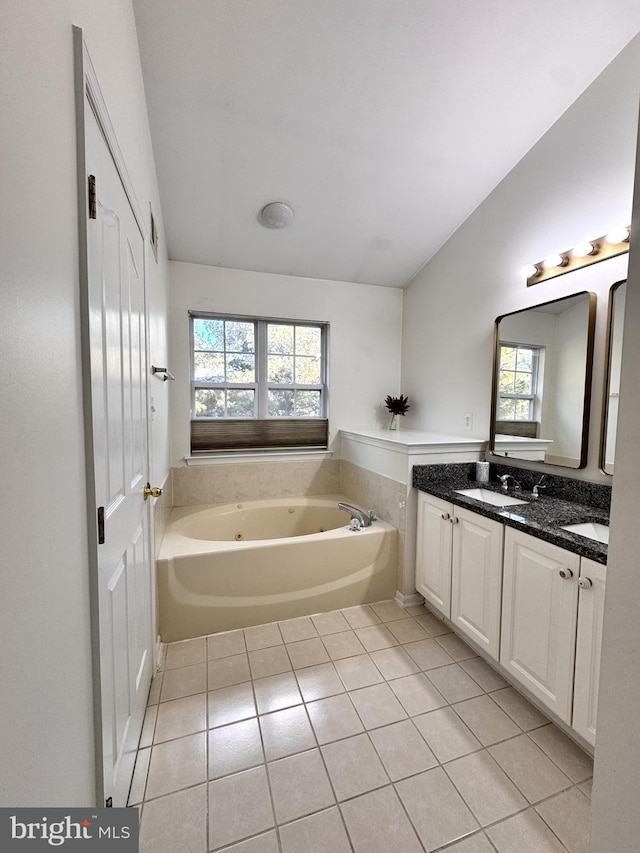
x: 565, y: 574
x: 445, y: 516
x: 454, y: 520
x: 585, y: 583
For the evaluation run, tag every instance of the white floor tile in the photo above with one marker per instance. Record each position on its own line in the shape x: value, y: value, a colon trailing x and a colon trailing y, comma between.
x: 239, y: 806
x: 323, y: 832
x: 299, y: 785
x: 334, y: 718
x: 276, y: 692
x: 402, y: 750
x: 176, y: 764
x: 284, y: 734
x: 175, y: 822
x: 436, y: 809
x: 377, y: 823
x: 231, y: 704
x: 235, y: 747
x: 354, y: 766
x: 318, y: 682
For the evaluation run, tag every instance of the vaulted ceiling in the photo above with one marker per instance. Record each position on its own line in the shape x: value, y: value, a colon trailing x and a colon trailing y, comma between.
x: 382, y: 123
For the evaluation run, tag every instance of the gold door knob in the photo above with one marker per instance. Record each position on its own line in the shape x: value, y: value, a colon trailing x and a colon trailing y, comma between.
x: 154, y: 492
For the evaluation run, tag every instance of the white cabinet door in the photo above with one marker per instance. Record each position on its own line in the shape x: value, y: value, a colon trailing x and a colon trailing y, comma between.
x: 539, y: 614
x: 476, y: 578
x: 433, y: 552
x: 589, y: 641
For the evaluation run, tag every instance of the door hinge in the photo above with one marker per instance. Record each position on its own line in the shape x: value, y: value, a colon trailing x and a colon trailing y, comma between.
x: 93, y: 206
x: 100, y: 525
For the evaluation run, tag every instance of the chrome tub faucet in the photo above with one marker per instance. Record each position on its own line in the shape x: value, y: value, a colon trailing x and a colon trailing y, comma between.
x: 363, y: 518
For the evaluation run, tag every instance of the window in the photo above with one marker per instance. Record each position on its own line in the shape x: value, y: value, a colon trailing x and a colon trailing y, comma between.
x: 517, y: 382
x: 261, y: 372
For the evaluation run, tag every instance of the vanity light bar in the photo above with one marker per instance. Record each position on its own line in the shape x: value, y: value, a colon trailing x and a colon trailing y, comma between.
x: 616, y: 242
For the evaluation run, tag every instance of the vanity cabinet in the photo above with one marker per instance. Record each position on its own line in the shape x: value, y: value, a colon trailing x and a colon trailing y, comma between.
x: 459, y: 568
x: 592, y: 584
x: 535, y: 608
x: 539, y: 616
x: 433, y: 552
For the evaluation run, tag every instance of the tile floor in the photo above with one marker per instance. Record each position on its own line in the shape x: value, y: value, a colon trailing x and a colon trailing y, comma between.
x: 371, y: 729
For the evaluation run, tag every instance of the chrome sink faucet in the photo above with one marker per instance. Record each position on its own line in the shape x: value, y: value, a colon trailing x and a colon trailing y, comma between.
x: 365, y: 518
x: 504, y: 479
x: 539, y: 485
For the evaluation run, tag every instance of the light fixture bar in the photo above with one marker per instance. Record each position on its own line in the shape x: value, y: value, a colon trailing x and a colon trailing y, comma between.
x: 603, y: 248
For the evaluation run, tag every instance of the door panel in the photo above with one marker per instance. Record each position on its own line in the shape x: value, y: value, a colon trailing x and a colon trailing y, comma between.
x: 476, y: 581
x: 117, y: 324
x: 433, y: 553
x: 539, y: 611
x: 588, y: 648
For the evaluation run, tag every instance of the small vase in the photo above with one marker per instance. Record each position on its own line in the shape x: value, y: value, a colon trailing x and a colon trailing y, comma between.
x: 394, y: 422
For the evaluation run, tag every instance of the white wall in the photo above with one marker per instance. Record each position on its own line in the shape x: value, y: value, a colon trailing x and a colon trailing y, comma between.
x: 46, y: 729
x: 575, y: 183
x: 364, y: 336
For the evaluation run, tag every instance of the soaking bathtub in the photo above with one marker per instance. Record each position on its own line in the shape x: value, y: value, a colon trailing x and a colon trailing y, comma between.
x: 242, y: 564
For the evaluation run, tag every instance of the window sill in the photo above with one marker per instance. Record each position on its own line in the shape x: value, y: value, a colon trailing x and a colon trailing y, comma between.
x: 225, y: 457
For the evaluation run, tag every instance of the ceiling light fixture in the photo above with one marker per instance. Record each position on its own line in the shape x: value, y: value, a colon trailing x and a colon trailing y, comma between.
x: 583, y: 254
x: 276, y: 214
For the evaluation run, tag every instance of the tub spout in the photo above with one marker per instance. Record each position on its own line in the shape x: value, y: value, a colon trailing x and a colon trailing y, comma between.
x: 365, y: 518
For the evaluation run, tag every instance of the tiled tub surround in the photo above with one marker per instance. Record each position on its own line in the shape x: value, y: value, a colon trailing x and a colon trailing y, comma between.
x: 374, y: 491
x: 228, y: 481
x: 563, y: 501
x: 364, y: 730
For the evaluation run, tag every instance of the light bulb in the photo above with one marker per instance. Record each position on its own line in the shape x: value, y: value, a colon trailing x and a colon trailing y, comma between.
x: 530, y: 270
x: 584, y: 249
x: 555, y: 260
x: 617, y: 235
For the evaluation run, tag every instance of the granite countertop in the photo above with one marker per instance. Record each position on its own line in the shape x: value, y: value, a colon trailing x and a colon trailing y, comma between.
x: 541, y: 517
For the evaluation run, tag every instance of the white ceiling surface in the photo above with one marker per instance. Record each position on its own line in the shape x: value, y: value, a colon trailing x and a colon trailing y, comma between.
x: 383, y: 123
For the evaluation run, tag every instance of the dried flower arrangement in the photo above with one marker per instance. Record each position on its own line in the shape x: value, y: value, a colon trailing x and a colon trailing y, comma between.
x: 397, y: 405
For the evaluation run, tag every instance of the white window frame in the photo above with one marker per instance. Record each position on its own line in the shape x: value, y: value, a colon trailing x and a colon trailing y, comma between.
x: 261, y: 385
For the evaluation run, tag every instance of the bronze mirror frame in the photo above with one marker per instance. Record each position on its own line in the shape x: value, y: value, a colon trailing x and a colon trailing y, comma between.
x: 608, y: 364
x: 591, y: 323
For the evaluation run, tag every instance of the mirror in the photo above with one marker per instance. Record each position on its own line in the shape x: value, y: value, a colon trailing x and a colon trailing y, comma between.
x: 541, y: 388
x: 617, y: 296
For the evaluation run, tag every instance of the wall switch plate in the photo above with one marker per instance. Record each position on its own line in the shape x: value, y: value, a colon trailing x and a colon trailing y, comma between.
x: 468, y: 420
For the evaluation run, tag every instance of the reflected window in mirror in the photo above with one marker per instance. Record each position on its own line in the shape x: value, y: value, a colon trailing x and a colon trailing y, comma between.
x: 518, y: 382
x: 543, y: 359
x: 611, y: 393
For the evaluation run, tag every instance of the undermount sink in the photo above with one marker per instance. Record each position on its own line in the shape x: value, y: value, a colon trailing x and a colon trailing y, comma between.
x: 590, y: 529
x: 489, y: 497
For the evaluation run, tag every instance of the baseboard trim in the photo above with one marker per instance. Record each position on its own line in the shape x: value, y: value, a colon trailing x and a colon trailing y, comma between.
x: 409, y: 600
